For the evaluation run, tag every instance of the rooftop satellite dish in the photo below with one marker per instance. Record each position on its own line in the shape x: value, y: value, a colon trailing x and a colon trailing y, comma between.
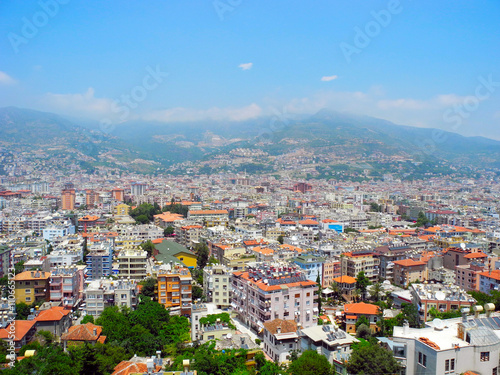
x: 438, y: 324
x: 462, y: 245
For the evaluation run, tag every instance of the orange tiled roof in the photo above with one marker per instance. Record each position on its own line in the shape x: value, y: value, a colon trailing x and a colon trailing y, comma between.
x: 495, y: 274
x: 330, y: 221
x: 476, y: 255
x: 285, y: 326
x: 128, y: 367
x: 263, y: 250
x: 31, y: 275
x: 187, y: 227
x: 361, y: 308
x: 265, y: 287
x: 89, y: 218
x: 22, y: 328
x: 345, y: 279
x: 308, y: 222
x: 409, y: 263
x: 82, y: 332
x: 55, y: 313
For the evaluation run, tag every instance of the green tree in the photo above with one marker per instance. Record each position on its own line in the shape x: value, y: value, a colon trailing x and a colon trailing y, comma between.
x: 421, y: 220
x: 22, y: 311
x: 363, y: 331
x: 202, y: 254
x: 148, y: 287
x: 19, y: 267
x: 281, y: 239
x: 149, y: 247
x: 310, y: 363
x: 410, y: 313
x: 87, y: 319
x: 374, y: 207
x: 372, y: 359
x: 197, y: 292
x: 362, y: 320
x: 168, y: 231
x: 375, y: 291
x: 362, y: 283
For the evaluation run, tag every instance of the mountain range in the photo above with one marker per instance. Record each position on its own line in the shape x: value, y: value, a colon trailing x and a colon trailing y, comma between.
x: 147, y: 146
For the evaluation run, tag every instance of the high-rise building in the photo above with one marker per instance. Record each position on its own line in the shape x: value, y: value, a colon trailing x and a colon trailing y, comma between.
x: 91, y: 198
x: 118, y: 194
x: 137, y: 189
x: 68, y: 199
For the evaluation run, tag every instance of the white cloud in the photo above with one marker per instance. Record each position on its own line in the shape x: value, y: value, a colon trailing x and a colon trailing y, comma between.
x: 5, y: 79
x: 328, y: 78
x: 85, y: 104
x: 245, y: 66
x: 215, y: 113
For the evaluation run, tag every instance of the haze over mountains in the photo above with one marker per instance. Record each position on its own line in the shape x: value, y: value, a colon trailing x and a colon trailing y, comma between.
x: 359, y: 138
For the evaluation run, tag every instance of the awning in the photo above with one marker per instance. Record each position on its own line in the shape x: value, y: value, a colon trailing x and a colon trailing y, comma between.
x: 308, y: 311
x: 315, y: 309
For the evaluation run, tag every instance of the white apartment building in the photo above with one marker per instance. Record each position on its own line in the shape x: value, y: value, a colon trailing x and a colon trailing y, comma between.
x: 102, y: 293
x: 132, y: 264
x: 273, y: 291
x: 217, y: 285
x: 451, y: 346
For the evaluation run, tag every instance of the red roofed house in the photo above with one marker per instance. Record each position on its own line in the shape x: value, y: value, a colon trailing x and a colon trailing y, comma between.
x: 407, y: 271
x: 56, y: 320
x: 83, y: 333
x: 346, y: 285
x: 24, y: 332
x: 353, y: 311
x: 134, y: 366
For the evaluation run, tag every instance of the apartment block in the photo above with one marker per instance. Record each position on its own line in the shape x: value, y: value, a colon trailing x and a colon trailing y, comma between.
x: 356, y: 261
x: 188, y: 235
x: 103, y: 293
x: 32, y: 286
x: 217, y: 285
x: 175, y: 291
x: 99, y: 260
x: 132, y: 264
x: 66, y: 285
x: 274, y: 291
x: 407, y: 271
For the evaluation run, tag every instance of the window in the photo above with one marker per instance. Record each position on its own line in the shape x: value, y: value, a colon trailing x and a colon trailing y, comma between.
x: 452, y: 364
x: 495, y: 371
x: 27, y: 291
x: 485, y: 356
x: 447, y: 365
x: 422, y: 359
x: 28, y: 299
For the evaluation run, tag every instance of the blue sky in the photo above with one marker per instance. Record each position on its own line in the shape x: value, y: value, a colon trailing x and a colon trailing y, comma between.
x: 420, y: 63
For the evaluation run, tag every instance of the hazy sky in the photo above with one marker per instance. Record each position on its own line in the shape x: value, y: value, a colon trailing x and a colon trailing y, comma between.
x: 422, y: 63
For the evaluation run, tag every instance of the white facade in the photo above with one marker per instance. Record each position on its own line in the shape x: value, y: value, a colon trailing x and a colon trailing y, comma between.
x: 450, y: 347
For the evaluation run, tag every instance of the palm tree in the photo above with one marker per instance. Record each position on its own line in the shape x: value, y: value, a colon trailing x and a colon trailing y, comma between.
x: 375, y: 291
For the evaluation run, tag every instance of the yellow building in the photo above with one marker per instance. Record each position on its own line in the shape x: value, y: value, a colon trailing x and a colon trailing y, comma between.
x: 32, y: 286
x: 175, y: 291
x: 122, y: 210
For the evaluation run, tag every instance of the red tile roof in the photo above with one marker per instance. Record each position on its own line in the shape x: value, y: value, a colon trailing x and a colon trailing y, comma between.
x: 55, y: 313
x: 128, y: 367
x: 22, y: 328
x: 409, y: 263
x: 361, y: 308
x: 82, y: 332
